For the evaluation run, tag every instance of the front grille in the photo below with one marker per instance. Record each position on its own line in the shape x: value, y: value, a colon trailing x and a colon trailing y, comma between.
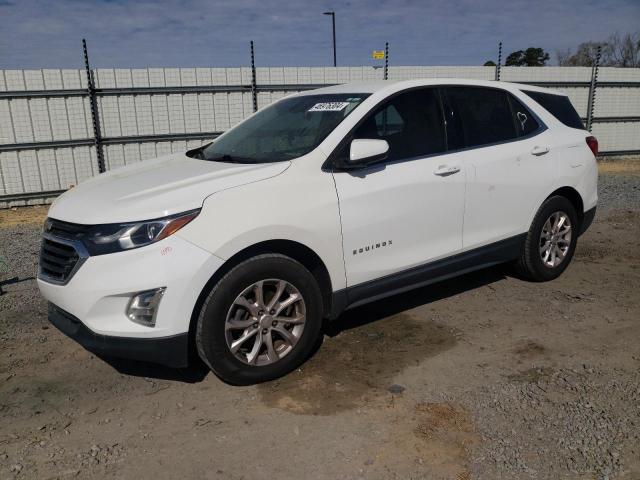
x: 62, y: 229
x: 58, y: 261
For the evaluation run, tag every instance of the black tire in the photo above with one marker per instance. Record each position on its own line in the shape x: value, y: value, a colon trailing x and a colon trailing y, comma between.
x: 530, y: 264
x: 210, y: 331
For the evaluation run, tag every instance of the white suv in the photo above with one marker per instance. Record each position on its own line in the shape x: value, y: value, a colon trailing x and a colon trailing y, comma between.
x: 320, y: 202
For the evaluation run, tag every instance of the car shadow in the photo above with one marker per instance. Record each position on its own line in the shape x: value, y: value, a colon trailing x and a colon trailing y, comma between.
x: 350, y: 319
x: 389, y: 306
x: 194, y: 373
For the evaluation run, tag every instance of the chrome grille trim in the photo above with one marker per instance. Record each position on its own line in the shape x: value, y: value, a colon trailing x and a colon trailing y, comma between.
x: 60, y: 259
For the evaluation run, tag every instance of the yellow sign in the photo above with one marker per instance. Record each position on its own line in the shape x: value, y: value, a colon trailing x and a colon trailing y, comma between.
x: 378, y: 54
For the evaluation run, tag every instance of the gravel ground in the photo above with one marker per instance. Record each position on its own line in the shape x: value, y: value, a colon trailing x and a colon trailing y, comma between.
x: 618, y: 192
x: 484, y: 376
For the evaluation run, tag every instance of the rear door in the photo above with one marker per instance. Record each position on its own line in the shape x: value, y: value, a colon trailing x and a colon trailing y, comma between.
x: 407, y: 210
x: 508, y: 157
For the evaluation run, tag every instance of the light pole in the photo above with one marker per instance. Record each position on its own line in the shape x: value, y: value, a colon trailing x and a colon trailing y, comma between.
x: 333, y: 23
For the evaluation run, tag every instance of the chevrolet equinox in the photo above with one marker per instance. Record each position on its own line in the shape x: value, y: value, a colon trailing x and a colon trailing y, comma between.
x: 325, y: 200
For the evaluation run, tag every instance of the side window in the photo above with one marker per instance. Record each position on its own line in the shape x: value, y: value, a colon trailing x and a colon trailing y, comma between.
x: 478, y: 116
x: 524, y: 120
x: 389, y: 121
x: 411, y: 123
x: 559, y: 106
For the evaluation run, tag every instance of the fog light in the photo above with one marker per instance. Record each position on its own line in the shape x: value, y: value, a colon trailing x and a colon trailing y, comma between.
x: 143, y: 307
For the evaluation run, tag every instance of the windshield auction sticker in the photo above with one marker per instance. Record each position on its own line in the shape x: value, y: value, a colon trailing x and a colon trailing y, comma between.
x: 329, y: 107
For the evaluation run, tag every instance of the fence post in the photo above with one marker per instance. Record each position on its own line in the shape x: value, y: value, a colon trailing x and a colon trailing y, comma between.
x: 91, y: 90
x: 254, y: 86
x: 499, y: 61
x: 386, y: 60
x: 592, y: 89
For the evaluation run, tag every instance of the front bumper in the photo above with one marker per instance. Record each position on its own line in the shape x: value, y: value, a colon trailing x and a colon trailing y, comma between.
x: 171, y: 351
x: 99, y: 292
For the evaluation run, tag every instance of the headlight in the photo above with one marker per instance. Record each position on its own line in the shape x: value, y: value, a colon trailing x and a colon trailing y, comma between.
x: 115, y: 237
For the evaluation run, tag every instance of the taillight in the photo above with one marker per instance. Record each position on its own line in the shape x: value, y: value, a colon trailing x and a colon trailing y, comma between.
x: 592, y: 143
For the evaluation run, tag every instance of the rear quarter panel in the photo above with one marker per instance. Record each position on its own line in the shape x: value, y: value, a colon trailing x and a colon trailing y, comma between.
x: 576, y: 167
x: 576, y: 164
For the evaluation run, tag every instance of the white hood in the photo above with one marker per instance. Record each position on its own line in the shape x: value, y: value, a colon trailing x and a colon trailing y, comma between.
x: 155, y: 188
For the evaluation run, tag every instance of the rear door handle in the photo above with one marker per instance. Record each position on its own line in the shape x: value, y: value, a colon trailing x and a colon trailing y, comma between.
x: 444, y: 170
x: 537, y: 151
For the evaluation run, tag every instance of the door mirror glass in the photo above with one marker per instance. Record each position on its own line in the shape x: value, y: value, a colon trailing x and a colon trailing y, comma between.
x: 364, y: 151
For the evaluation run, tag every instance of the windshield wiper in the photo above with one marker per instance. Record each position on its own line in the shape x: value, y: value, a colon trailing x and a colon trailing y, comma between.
x: 229, y: 159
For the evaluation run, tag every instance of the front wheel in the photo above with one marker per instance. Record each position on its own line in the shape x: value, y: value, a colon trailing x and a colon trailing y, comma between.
x: 551, y: 241
x: 260, y: 321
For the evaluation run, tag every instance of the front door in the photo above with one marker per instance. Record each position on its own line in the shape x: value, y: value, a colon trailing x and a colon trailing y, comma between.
x: 408, y: 210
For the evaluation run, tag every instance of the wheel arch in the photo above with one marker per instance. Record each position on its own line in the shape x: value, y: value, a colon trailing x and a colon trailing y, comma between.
x: 574, y: 197
x: 296, y: 250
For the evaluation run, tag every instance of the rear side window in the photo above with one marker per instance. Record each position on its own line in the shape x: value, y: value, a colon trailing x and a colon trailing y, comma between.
x: 524, y: 120
x: 559, y: 106
x: 478, y: 116
x: 411, y: 123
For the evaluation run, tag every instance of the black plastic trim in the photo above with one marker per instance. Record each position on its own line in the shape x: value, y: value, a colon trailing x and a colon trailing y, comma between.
x: 432, y: 272
x: 170, y: 351
x: 587, y: 220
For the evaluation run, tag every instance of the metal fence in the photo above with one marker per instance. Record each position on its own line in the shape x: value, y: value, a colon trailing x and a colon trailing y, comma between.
x: 60, y: 127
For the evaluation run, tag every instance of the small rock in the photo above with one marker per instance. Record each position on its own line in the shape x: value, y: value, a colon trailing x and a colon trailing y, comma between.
x: 395, y: 389
x: 16, y: 468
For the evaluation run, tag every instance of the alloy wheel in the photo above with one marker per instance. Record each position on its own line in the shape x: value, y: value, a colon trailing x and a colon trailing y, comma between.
x: 265, y: 322
x: 555, y: 239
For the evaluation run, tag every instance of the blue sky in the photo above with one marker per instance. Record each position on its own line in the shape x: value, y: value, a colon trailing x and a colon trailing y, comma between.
x: 128, y: 33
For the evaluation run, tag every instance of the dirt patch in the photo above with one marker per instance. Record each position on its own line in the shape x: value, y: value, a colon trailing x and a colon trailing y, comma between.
x: 428, y: 440
x: 529, y: 349
x: 447, y: 431
x: 601, y: 245
x: 531, y: 375
x: 618, y: 166
x: 23, y: 215
x: 356, y: 366
x: 435, y: 418
x: 484, y: 376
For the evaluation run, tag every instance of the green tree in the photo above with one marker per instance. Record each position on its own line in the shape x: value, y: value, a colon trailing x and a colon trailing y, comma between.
x: 531, y: 57
x: 489, y: 63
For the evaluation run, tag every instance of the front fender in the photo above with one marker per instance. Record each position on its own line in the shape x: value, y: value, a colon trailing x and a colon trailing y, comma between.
x: 300, y: 205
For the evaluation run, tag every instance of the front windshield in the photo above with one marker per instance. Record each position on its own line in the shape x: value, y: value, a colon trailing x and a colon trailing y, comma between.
x: 287, y: 129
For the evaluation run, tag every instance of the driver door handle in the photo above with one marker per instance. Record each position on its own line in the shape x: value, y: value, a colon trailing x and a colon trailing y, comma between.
x: 445, y: 170
x: 537, y: 150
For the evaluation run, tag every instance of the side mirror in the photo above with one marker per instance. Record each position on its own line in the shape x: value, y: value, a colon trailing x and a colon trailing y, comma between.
x: 366, y: 151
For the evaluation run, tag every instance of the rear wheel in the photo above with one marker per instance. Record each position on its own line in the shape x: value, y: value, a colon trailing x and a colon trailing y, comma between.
x: 551, y: 240
x: 260, y: 321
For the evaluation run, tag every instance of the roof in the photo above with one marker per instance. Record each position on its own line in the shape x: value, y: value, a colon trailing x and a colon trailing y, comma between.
x: 391, y: 86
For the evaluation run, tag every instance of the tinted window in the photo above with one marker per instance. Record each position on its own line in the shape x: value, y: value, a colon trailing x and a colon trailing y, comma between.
x: 523, y: 118
x: 287, y: 129
x: 389, y: 121
x: 411, y: 123
x: 559, y: 106
x: 478, y: 116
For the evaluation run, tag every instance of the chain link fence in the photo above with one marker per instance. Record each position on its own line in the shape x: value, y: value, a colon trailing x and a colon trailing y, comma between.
x: 51, y: 138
